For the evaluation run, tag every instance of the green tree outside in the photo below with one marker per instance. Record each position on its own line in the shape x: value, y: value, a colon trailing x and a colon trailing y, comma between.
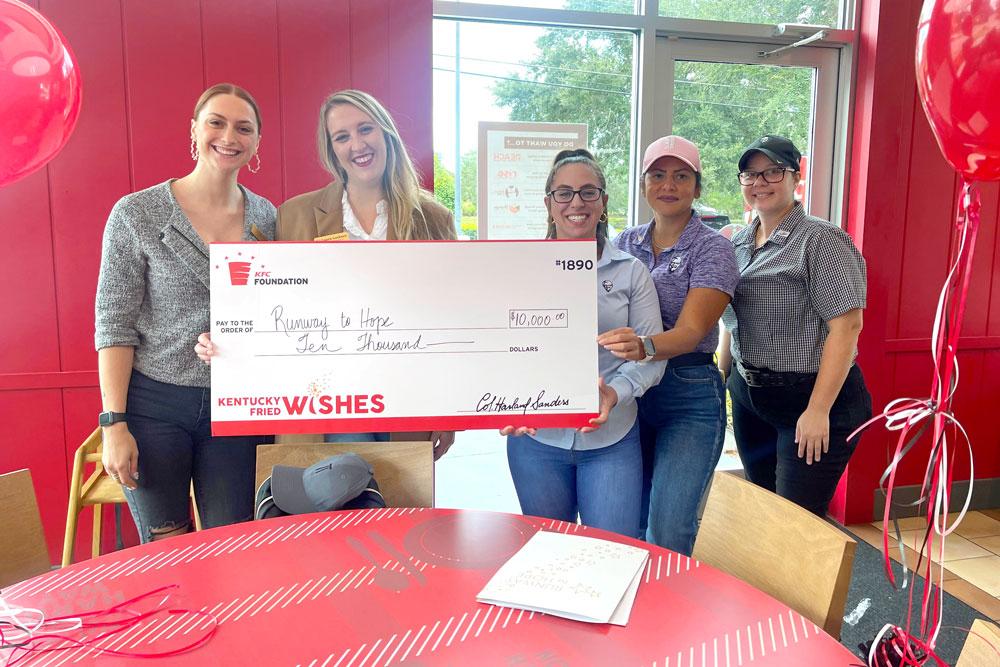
x: 585, y: 76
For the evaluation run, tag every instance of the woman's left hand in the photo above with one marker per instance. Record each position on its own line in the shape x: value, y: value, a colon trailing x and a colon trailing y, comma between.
x: 623, y: 343
x: 812, y: 433
x: 609, y: 399
x: 442, y: 440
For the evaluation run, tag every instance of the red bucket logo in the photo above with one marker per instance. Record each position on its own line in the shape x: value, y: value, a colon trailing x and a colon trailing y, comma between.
x: 239, y: 272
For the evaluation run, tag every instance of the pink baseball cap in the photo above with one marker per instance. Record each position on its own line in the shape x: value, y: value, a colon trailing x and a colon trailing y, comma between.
x: 672, y: 146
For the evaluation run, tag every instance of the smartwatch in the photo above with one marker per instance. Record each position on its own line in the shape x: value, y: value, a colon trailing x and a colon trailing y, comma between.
x: 109, y: 418
x: 648, y: 347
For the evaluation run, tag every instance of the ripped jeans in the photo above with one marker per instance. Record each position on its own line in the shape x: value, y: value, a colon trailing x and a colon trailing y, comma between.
x: 171, y: 425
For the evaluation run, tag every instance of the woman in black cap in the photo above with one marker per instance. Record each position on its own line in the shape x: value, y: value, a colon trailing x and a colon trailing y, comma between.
x: 792, y: 335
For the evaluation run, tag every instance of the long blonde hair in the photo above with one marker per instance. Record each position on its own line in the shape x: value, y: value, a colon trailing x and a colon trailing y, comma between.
x: 399, y: 181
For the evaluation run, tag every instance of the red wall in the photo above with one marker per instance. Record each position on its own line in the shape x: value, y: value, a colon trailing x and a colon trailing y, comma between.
x: 901, y: 212
x: 144, y: 64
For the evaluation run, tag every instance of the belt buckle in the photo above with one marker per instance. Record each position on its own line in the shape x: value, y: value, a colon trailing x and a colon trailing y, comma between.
x: 752, y: 378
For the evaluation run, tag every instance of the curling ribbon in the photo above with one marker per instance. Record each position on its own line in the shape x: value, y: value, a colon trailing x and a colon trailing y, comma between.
x: 913, y: 418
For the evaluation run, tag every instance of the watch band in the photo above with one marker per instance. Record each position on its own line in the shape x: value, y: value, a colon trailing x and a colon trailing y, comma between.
x: 648, y: 347
x: 108, y: 418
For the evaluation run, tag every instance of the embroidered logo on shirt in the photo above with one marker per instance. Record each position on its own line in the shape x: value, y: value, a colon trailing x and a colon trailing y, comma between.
x: 607, y: 285
x: 676, y: 262
x: 782, y: 233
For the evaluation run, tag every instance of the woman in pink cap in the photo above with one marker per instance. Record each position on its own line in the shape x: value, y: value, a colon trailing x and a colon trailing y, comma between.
x: 682, y: 420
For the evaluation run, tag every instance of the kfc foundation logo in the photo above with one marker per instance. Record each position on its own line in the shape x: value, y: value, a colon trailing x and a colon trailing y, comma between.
x: 239, y: 273
x: 243, y: 272
x: 240, y: 269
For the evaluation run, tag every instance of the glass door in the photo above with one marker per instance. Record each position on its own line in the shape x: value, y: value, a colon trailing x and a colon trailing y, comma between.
x: 724, y: 95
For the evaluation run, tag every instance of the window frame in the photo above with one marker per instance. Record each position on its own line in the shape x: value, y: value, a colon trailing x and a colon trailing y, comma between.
x: 654, y: 33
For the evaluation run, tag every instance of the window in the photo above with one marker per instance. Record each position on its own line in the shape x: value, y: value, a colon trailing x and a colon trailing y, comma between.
x: 811, y: 12
x: 545, y: 75
x: 717, y: 72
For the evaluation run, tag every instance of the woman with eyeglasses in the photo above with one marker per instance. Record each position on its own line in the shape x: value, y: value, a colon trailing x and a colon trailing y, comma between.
x: 682, y: 420
x: 594, y: 472
x: 792, y: 336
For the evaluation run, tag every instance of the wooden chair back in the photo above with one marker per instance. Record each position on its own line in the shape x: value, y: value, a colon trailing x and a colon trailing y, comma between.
x: 778, y: 547
x: 95, y: 490
x: 23, y: 553
x: 982, y: 647
x: 404, y: 470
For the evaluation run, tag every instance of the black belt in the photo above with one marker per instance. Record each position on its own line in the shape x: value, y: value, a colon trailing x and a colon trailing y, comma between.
x: 691, y: 359
x: 765, y: 377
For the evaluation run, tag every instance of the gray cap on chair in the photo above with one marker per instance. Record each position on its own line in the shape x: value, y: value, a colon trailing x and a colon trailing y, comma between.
x: 322, y: 487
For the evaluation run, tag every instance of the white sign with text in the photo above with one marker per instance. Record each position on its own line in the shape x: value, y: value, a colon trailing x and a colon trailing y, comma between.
x: 401, y: 336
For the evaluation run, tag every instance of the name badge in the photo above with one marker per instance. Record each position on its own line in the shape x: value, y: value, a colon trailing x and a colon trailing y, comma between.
x: 782, y: 233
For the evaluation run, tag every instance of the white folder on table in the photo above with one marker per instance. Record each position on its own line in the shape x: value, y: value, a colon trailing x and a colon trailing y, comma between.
x: 572, y: 576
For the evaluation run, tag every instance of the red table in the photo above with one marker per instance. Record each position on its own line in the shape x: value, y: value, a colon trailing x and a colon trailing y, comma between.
x: 303, y: 591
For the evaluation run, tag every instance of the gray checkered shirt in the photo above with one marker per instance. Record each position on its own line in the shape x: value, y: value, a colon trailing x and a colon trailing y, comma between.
x: 807, y: 273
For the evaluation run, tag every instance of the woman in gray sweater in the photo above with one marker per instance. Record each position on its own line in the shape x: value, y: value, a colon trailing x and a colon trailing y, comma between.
x: 152, y: 302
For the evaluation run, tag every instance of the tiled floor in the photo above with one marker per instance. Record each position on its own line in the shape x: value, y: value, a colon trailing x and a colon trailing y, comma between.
x: 971, y: 555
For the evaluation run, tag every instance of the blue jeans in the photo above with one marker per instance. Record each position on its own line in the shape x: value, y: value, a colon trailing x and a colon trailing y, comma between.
x: 682, y: 425
x: 602, y: 485
x: 171, y: 425
x: 764, y: 420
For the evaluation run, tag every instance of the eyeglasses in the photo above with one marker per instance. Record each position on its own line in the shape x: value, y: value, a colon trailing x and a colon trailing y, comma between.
x: 565, y: 195
x: 771, y: 175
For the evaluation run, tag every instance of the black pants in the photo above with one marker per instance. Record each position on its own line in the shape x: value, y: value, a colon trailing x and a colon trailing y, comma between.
x: 764, y: 420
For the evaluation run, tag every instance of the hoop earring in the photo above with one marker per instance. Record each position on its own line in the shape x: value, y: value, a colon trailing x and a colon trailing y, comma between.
x: 603, y: 218
x: 251, y: 169
x: 194, y: 150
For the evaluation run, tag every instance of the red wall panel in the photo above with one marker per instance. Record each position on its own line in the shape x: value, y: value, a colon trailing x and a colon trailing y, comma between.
x: 904, y: 219
x: 90, y: 174
x: 144, y: 65
x: 232, y: 39
x: 30, y: 340
x: 33, y: 439
x: 314, y: 61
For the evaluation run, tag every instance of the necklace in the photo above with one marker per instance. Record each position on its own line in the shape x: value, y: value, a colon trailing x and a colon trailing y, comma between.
x: 659, y: 248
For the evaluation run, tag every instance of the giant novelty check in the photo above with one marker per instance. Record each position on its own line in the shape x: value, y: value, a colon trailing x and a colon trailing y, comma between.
x: 402, y: 336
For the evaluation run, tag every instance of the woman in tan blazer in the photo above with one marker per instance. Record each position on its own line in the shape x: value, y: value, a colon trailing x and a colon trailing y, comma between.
x: 375, y: 194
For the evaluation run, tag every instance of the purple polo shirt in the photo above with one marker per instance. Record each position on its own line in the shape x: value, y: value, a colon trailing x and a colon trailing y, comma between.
x: 701, y: 258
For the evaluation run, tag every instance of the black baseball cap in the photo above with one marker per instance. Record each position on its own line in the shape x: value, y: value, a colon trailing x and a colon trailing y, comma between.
x: 322, y: 487
x: 780, y: 149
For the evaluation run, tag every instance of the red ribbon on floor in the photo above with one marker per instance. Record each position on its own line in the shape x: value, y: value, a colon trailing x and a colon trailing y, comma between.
x: 915, y: 417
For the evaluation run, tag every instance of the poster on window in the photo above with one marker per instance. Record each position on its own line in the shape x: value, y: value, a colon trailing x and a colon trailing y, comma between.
x: 514, y: 161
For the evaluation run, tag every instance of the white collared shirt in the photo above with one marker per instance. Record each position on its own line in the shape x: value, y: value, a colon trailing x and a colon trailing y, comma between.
x: 353, y: 228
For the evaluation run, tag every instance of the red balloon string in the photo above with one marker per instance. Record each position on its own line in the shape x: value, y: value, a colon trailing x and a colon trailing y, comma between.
x: 98, y: 625
x: 913, y: 418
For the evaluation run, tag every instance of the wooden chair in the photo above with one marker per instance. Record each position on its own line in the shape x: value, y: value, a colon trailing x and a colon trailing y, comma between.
x: 777, y: 547
x: 23, y: 553
x: 95, y: 491
x: 404, y: 470
x: 981, y: 648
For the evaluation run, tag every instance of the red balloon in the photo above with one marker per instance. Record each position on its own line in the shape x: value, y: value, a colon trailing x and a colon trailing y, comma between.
x: 958, y: 76
x: 40, y: 91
